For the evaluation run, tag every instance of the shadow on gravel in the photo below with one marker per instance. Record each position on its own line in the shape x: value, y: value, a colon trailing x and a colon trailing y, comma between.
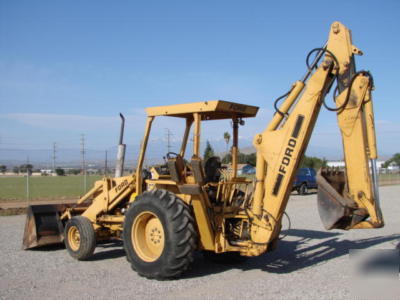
x: 103, y: 252
x: 114, y: 253
x: 291, y: 256
x: 54, y: 247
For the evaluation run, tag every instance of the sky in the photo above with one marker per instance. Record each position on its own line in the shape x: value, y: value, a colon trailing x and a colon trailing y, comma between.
x: 69, y: 67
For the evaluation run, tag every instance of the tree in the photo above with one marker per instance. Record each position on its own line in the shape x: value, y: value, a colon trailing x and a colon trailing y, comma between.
x: 241, y: 158
x: 74, y: 171
x: 227, y: 158
x: 16, y: 170
x: 251, y: 159
x: 3, y: 168
x: 395, y: 159
x: 227, y: 137
x: 208, y: 152
x: 313, y: 162
x: 26, y: 167
x: 60, y: 172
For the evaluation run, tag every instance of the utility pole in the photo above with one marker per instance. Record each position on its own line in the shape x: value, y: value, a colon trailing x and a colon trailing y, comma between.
x: 27, y: 181
x: 83, y: 162
x: 105, y: 165
x: 54, y: 157
x: 169, y: 134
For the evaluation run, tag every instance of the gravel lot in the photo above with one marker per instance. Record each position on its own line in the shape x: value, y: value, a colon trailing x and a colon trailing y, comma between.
x: 309, y: 263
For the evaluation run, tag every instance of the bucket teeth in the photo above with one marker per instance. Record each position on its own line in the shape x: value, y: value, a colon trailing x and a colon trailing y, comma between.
x: 43, y: 226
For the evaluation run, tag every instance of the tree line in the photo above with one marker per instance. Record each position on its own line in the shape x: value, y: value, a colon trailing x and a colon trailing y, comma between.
x: 251, y: 159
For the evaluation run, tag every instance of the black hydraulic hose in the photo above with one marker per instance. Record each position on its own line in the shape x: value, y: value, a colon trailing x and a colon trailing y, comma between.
x: 323, y: 50
x: 278, y: 99
x: 346, y: 101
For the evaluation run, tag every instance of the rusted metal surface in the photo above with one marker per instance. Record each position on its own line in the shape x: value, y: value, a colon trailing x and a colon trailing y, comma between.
x: 43, y: 226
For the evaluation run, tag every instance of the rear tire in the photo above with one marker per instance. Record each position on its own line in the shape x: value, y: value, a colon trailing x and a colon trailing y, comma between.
x: 159, y: 235
x: 303, y: 190
x: 80, y: 238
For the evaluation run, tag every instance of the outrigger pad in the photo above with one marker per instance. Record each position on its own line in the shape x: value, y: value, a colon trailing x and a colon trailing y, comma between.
x: 43, y: 226
x: 334, y: 210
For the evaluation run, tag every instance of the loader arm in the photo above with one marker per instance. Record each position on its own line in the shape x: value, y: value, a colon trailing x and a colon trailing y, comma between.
x: 347, y: 199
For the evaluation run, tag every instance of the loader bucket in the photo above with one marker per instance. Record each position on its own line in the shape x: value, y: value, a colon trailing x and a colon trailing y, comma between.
x: 43, y: 226
x: 335, y: 210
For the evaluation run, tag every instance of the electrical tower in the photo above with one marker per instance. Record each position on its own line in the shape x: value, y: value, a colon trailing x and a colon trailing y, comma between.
x: 54, y: 157
x: 105, y: 165
x: 28, y: 196
x: 168, y: 134
x: 83, y: 151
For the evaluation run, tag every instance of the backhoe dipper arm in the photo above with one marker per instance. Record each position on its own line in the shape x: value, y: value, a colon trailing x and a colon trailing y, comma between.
x: 281, y: 146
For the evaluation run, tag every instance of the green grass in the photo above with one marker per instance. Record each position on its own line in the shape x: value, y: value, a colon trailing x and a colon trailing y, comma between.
x: 69, y: 187
x: 44, y: 187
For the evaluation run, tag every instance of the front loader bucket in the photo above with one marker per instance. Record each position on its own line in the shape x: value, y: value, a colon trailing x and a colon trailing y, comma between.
x: 335, y: 210
x: 43, y: 226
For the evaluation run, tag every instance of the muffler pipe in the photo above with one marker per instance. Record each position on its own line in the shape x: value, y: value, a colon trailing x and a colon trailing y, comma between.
x: 119, y: 168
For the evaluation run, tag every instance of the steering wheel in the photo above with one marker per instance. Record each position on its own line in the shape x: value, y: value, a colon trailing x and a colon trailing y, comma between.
x: 171, y: 155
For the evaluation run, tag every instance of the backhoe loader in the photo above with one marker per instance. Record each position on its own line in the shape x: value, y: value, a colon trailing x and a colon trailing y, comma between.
x: 195, y: 205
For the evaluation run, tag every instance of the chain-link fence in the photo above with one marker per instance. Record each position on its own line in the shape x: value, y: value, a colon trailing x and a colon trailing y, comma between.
x: 389, y: 178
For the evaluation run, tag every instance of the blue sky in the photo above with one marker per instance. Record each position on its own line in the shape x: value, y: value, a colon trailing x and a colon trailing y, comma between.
x: 69, y: 67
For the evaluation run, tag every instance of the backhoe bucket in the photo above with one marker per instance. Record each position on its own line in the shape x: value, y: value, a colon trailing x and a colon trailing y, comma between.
x: 335, y: 210
x: 43, y: 226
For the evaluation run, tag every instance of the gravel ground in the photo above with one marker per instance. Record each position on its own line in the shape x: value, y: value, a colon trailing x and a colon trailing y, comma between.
x: 309, y: 263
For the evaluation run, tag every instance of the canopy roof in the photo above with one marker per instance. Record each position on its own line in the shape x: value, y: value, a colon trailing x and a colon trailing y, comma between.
x: 209, y: 110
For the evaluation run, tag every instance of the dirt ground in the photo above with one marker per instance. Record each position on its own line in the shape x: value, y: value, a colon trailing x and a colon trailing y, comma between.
x: 309, y: 263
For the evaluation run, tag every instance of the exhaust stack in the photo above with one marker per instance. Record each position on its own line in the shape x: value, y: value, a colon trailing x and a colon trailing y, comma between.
x: 119, y: 168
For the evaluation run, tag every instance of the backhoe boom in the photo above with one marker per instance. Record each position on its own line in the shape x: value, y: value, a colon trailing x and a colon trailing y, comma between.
x: 280, y: 147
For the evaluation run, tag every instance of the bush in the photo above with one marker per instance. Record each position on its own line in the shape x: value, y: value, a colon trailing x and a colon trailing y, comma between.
x: 60, y: 172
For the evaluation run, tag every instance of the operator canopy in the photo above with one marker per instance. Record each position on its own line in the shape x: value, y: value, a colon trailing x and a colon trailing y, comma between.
x: 209, y: 110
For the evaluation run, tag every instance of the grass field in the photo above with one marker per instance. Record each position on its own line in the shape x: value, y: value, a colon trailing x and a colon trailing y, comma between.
x: 44, y: 188
x: 69, y: 187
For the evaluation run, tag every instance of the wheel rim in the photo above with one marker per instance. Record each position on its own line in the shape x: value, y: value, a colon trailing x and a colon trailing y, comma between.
x: 74, y: 238
x: 148, y: 236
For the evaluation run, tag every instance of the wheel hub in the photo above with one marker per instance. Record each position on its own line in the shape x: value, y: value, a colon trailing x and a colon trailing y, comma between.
x: 148, y: 236
x: 74, y: 238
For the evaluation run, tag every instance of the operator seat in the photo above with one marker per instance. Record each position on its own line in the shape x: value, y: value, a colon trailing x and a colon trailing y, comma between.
x: 211, y: 168
x: 176, y: 168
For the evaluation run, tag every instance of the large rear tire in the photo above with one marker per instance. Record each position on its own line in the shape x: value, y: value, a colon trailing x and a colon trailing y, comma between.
x: 80, y: 238
x: 159, y: 235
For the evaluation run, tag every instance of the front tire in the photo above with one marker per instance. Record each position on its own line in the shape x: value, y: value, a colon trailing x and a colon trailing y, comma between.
x: 159, y: 235
x: 303, y: 190
x: 80, y: 238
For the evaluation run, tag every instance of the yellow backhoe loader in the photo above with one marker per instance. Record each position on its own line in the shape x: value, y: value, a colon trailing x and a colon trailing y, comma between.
x: 164, y: 218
